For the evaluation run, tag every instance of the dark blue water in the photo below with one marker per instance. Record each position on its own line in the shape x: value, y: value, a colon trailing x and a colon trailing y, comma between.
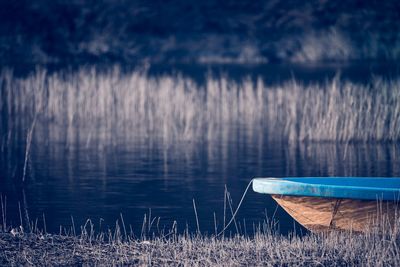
x: 135, y: 177
x: 89, y: 159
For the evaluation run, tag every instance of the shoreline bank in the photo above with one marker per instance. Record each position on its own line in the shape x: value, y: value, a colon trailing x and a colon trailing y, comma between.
x: 265, y: 248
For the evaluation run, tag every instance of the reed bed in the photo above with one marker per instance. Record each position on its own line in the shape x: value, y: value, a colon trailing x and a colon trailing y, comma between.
x: 87, y: 104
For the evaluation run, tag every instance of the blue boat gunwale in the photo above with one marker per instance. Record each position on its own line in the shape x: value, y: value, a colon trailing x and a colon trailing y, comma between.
x: 332, y: 187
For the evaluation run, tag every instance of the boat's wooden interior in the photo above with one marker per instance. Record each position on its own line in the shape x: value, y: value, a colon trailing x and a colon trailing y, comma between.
x: 321, y: 214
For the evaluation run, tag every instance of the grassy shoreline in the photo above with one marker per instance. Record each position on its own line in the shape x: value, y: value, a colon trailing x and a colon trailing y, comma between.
x: 265, y: 248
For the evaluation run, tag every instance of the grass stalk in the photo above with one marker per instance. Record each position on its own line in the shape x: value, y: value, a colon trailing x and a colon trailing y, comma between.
x: 232, y: 213
x: 123, y: 225
x: 73, y: 226
x: 20, y: 214
x: 28, y: 147
x: 197, y: 218
x: 3, y: 212
x: 44, y: 223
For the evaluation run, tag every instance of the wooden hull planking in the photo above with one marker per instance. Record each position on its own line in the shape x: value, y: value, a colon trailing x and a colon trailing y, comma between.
x: 323, y: 214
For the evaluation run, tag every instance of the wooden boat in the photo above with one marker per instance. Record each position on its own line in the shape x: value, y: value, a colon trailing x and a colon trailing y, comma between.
x: 347, y: 203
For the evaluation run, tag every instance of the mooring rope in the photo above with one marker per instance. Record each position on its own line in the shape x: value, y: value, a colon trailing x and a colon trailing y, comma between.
x: 237, y: 209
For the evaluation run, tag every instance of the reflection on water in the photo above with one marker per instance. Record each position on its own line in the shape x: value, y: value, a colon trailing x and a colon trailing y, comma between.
x: 111, y: 143
x: 133, y: 178
x: 359, y: 159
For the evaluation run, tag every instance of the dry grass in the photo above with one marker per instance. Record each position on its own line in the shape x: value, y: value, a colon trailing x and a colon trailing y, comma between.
x: 265, y: 248
x: 112, y: 105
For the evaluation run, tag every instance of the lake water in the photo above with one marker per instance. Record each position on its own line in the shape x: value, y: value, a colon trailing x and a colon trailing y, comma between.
x: 100, y: 143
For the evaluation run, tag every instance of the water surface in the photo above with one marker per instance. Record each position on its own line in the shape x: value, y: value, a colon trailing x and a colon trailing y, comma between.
x: 105, y: 143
